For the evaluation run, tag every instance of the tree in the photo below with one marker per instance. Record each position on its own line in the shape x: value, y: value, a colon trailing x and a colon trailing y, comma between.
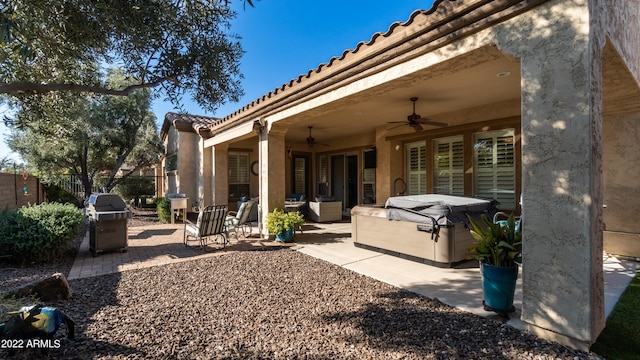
x: 181, y: 46
x: 87, y: 135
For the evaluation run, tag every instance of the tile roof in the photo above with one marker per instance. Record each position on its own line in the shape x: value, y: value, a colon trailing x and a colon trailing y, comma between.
x: 187, y: 122
x: 424, y: 31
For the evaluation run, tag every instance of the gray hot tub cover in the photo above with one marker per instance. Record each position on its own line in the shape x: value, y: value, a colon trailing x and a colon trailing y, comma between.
x: 422, y: 208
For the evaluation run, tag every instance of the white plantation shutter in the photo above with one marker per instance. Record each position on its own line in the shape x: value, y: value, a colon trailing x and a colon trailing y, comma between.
x: 323, y: 177
x: 299, y: 184
x: 238, y: 174
x: 448, y: 166
x: 416, y: 171
x: 494, y: 167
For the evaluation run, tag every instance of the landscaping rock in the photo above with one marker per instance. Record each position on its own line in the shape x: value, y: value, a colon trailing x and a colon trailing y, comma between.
x: 277, y: 304
x: 53, y: 288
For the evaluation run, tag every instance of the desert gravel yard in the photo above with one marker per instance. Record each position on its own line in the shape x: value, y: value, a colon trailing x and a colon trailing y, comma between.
x: 274, y: 304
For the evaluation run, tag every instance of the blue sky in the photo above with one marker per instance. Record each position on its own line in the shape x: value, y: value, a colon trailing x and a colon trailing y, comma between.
x: 285, y: 38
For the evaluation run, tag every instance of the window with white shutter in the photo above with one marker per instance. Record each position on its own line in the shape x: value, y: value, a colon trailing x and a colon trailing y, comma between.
x: 323, y: 177
x: 494, y: 167
x: 448, y: 166
x: 416, y: 167
x: 238, y: 174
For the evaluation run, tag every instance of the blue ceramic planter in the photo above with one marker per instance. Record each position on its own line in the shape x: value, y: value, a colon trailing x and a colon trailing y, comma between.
x: 285, y: 236
x: 499, y: 286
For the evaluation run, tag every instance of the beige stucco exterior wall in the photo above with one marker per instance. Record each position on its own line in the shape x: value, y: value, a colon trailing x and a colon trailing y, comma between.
x: 621, y: 192
x: 207, y: 177
x: 623, y: 29
x: 188, y: 166
x: 563, y: 294
x: 188, y: 178
x: 621, y: 137
x: 272, y: 172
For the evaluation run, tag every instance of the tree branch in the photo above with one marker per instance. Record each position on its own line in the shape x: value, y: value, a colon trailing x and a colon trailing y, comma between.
x: 18, y: 88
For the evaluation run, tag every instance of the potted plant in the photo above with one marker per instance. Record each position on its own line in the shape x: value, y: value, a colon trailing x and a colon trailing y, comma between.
x: 498, y: 247
x: 281, y: 223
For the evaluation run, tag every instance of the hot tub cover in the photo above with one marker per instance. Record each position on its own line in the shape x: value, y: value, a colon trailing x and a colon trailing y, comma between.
x: 442, y: 208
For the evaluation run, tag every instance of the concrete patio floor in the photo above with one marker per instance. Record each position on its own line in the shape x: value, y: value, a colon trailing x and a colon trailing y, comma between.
x: 459, y: 287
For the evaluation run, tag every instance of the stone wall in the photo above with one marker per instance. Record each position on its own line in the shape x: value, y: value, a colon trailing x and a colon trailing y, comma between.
x: 12, y: 195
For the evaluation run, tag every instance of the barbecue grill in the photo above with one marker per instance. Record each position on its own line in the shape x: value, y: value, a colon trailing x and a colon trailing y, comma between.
x: 108, y: 216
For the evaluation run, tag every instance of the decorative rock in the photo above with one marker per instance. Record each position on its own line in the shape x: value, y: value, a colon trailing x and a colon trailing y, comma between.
x: 53, y: 288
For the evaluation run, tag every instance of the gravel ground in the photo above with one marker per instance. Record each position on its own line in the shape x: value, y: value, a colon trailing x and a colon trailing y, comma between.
x: 274, y: 304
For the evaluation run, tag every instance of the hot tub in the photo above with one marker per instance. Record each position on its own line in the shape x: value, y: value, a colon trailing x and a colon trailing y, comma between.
x: 431, y: 228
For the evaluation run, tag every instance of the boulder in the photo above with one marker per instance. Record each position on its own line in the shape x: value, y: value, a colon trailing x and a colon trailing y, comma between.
x: 52, y: 288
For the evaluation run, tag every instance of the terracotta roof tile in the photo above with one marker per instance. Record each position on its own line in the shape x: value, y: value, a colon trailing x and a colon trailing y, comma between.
x: 187, y: 122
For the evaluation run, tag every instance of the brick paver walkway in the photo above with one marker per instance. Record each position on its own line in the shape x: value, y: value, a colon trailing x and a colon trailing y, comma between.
x: 151, y: 246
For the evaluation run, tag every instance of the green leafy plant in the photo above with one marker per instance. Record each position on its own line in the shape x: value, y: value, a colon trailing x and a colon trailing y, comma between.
x: 279, y: 221
x: 164, y: 210
x: 57, y: 194
x: 496, y: 244
x: 39, y: 233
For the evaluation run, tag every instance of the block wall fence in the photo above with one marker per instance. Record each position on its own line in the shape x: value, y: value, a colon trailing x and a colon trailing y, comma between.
x: 12, y: 194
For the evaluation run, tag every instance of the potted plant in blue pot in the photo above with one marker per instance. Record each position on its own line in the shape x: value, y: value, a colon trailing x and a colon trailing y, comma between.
x: 282, y: 224
x: 498, y: 247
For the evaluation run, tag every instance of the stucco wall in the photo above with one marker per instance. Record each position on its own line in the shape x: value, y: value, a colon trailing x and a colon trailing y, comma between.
x: 188, y: 166
x: 621, y: 173
x: 559, y: 44
x: 624, y: 31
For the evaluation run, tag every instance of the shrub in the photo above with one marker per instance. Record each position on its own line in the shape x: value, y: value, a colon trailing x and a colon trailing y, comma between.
x: 279, y: 221
x: 57, y: 194
x: 40, y: 233
x: 164, y: 210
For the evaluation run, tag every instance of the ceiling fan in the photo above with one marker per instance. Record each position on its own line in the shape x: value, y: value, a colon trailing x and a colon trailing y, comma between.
x: 311, y: 140
x: 414, y: 120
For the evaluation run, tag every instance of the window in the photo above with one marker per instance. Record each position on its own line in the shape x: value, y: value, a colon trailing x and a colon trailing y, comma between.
x: 238, y: 174
x: 369, y: 177
x: 416, y: 170
x: 494, y: 167
x: 448, y: 166
x: 299, y: 175
x: 323, y: 176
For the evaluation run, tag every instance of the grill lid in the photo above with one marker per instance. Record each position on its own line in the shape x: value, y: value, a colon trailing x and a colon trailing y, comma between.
x: 106, y: 202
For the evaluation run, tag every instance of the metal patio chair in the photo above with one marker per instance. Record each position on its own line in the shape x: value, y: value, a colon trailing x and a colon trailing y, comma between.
x: 240, y: 218
x: 211, y: 223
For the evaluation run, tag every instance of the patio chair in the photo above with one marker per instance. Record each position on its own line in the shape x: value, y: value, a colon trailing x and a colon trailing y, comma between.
x: 240, y: 218
x: 497, y: 220
x: 211, y: 223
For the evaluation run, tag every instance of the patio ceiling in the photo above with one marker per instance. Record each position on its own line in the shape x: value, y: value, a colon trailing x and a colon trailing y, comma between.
x: 457, y: 93
x: 439, y: 93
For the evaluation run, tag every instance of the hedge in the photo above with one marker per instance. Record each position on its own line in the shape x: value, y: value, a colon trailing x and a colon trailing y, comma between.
x: 39, y: 233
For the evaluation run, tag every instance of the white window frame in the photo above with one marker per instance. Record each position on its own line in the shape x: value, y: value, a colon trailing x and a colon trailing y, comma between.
x: 448, y: 165
x: 494, y: 167
x: 416, y: 167
x: 239, y: 173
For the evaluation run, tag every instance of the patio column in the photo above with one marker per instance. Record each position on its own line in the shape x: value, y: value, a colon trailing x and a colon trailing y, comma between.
x: 271, y: 149
x: 207, y: 175
x: 220, y: 174
x: 562, y: 276
x: 200, y: 181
